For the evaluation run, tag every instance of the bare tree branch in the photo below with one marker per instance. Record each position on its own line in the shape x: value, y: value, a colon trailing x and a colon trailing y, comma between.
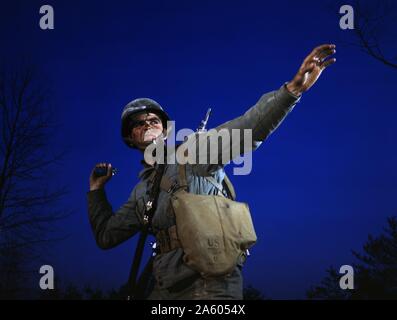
x: 27, y: 202
x: 369, y: 26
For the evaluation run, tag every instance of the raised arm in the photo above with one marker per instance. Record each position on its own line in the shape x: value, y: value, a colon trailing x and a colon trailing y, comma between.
x: 267, y: 114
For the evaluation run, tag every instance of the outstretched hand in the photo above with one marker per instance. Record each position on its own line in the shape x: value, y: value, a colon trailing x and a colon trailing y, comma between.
x: 311, y: 68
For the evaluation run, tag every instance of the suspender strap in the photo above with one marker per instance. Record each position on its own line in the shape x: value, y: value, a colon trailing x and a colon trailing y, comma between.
x: 150, y: 209
x: 182, y: 182
x: 229, y: 187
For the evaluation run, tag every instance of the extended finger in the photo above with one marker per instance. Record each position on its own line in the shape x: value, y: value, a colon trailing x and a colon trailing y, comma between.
x: 319, y: 49
x: 326, y: 53
x: 327, y: 63
x: 323, y: 47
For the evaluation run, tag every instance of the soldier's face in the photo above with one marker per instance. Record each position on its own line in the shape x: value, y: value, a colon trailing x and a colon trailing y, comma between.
x: 145, y: 128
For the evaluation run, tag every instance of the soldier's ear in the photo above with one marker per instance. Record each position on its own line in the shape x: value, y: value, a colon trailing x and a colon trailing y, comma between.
x: 131, y: 140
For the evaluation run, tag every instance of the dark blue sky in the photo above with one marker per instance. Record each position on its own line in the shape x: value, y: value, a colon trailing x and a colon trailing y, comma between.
x: 323, y: 181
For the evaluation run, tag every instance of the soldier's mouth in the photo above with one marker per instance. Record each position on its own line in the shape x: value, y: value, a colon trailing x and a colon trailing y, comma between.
x: 151, y: 134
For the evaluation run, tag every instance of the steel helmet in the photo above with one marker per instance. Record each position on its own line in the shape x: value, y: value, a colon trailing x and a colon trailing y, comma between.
x: 137, y: 106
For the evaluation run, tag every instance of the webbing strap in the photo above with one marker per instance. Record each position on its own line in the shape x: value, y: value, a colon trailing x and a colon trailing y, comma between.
x: 149, y: 212
x: 182, y: 176
x: 229, y: 187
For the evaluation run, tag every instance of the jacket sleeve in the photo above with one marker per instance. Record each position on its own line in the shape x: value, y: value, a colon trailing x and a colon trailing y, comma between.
x: 265, y: 116
x: 111, y: 229
x: 261, y: 120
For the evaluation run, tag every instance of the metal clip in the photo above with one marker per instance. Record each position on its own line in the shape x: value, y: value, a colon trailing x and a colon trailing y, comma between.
x: 155, y: 250
x: 149, y: 205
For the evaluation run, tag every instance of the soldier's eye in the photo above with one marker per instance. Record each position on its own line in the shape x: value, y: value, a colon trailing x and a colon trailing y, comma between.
x: 154, y: 122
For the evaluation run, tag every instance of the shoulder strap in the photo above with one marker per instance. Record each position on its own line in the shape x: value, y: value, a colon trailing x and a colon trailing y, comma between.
x: 151, y: 204
x: 150, y: 209
x: 182, y: 182
x: 229, y: 187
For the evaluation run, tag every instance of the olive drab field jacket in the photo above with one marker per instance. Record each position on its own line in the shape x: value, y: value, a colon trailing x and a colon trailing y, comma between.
x: 111, y: 228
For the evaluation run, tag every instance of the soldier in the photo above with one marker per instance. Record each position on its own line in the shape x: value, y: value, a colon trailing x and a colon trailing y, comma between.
x: 143, y: 121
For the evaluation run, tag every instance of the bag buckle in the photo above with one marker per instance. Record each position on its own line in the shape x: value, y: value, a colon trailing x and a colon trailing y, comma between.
x: 149, y: 205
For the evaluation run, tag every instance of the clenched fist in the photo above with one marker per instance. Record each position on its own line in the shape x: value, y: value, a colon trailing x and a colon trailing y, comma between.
x: 98, y: 182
